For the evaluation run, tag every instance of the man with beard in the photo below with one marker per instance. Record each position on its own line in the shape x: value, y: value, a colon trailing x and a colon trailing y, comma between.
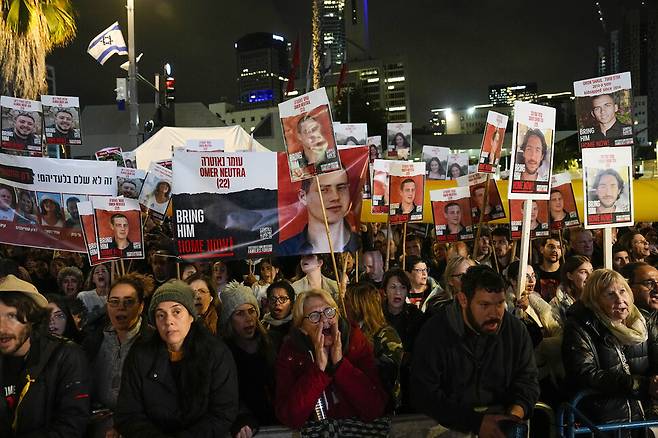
x: 22, y: 135
x: 534, y: 149
x: 74, y: 216
x: 502, y: 245
x: 643, y: 280
x: 63, y: 126
x: 473, y: 369
x: 128, y: 189
x: 548, y: 271
x: 608, y: 186
x: 43, y: 379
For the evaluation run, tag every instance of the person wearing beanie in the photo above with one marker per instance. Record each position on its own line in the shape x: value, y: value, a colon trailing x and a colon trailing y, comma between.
x: 182, y: 365
x: 43, y: 378
x: 255, y: 357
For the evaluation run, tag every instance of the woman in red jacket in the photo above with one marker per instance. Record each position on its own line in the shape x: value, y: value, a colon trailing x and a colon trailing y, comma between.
x: 326, y: 368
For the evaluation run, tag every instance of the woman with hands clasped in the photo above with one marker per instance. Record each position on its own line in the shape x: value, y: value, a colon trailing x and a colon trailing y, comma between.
x: 326, y: 367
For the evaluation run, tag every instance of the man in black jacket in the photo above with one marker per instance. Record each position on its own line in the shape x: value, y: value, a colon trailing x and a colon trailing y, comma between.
x: 43, y: 379
x: 473, y: 368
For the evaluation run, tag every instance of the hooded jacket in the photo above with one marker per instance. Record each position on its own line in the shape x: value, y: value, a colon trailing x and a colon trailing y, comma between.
x: 352, y: 389
x: 455, y: 370
x: 55, y: 399
x: 594, y: 359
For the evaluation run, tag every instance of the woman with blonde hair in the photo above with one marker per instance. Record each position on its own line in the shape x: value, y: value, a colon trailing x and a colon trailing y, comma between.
x: 364, y: 308
x: 326, y: 373
x: 609, y: 348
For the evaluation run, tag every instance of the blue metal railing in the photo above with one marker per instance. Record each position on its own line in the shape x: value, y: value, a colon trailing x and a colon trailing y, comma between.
x: 570, y: 429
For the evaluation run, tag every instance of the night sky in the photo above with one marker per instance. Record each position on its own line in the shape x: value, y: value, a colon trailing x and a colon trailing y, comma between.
x: 454, y: 49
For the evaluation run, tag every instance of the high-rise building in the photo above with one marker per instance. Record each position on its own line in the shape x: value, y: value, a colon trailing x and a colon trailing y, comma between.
x: 332, y: 30
x: 262, y: 69
x: 507, y: 94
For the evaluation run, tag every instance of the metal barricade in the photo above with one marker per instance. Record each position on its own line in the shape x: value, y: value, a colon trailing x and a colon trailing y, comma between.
x: 570, y: 428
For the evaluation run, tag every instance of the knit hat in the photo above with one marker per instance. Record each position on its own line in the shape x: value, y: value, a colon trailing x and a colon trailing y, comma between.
x: 233, y: 296
x: 173, y: 290
x: 11, y: 283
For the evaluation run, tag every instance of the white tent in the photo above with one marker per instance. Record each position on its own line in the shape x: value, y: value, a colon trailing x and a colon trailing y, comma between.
x: 162, y: 144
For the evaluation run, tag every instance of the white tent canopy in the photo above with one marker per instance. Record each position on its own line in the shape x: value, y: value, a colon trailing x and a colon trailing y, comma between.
x: 162, y: 144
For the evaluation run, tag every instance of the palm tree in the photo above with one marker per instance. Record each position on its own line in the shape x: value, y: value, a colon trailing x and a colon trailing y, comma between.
x: 29, y: 30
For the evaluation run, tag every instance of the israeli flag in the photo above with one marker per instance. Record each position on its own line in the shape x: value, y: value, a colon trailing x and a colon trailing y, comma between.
x: 108, y: 43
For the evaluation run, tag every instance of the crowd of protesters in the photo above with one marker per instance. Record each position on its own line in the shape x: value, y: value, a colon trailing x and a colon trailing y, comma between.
x: 158, y: 347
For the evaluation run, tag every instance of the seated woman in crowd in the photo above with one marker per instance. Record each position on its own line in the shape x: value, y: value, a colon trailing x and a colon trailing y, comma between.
x: 204, y: 300
x: 181, y: 381
x: 575, y: 271
x: 280, y: 299
x: 364, y: 308
x: 609, y: 348
x: 326, y: 368
x: 254, y: 356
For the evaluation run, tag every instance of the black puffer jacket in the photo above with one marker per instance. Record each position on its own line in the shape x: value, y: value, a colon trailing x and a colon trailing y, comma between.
x: 198, y: 397
x: 595, y: 360
x: 56, y: 403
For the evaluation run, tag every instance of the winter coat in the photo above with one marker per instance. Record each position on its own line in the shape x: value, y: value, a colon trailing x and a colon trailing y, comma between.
x: 56, y: 399
x: 455, y: 370
x: 352, y: 389
x: 196, y: 397
x: 594, y: 359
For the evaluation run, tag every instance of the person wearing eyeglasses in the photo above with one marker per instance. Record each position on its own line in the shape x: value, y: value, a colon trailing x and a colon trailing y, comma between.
x: 255, y: 358
x: 422, y: 285
x: 108, y: 347
x: 280, y: 299
x: 204, y: 300
x: 326, y: 368
x: 637, y: 245
x: 643, y: 280
x: 180, y: 381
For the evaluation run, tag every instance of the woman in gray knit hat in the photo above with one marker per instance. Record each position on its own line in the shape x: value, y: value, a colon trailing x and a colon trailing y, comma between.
x: 182, y: 366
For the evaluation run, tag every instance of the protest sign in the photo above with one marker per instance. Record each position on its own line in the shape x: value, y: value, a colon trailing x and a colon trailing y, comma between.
x: 351, y: 134
x: 21, y: 126
x: 374, y: 147
x: 156, y: 191
x: 379, y: 186
x: 398, y: 136
x: 111, y: 154
x: 129, y: 159
x: 451, y: 213
x: 208, y: 145
x: 604, y: 110
x: 61, y: 115
x: 532, y: 151
x: 457, y: 165
x: 538, y: 218
x: 476, y: 184
x: 88, y: 221
x: 43, y: 194
x: 492, y: 142
x: 130, y: 182
x: 406, y: 191
x: 224, y: 205
x: 608, y: 186
x: 308, y: 135
x: 118, y: 228
x: 301, y: 221
x: 562, y: 204
x: 436, y: 161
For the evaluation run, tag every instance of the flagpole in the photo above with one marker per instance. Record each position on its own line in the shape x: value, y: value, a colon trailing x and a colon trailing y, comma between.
x: 133, y: 104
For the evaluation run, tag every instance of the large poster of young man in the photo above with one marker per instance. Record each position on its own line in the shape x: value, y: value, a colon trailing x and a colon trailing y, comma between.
x: 604, y: 110
x: 532, y: 151
x: 492, y: 142
x: 301, y: 221
x: 309, y: 135
x: 608, y: 187
x: 406, y: 191
x: 451, y: 212
x: 224, y: 205
x: 39, y: 197
x: 476, y: 183
x: 538, y: 218
x: 21, y: 125
x: 398, y: 137
x: 118, y: 228
x: 562, y: 204
x: 61, y: 116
